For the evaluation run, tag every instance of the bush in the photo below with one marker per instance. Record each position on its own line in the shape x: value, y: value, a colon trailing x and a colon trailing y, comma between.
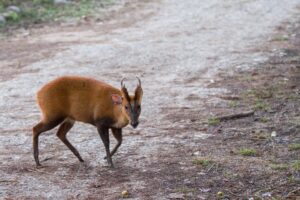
x: 12, y: 16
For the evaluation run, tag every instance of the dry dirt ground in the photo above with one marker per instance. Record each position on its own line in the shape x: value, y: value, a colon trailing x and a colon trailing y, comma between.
x: 198, y: 60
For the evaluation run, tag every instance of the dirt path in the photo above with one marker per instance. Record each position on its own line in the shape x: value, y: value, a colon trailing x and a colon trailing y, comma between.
x: 176, y: 47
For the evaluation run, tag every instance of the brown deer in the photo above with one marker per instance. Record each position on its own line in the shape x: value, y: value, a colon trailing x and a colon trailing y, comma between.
x: 68, y: 99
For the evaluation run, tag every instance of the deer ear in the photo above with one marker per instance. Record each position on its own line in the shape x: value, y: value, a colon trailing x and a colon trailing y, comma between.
x: 117, y: 99
x: 139, y: 94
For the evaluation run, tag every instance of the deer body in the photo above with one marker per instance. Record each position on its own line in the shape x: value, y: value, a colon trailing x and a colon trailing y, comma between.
x: 69, y: 99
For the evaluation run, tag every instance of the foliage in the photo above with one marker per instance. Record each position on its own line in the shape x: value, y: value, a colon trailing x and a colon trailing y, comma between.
x: 280, y: 167
x: 37, y: 11
x: 247, y: 152
x: 13, y: 17
x: 213, y: 121
x: 296, y: 165
x: 294, y: 147
x: 203, y: 162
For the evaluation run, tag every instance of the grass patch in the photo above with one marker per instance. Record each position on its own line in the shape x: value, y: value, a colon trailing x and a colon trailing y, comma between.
x: 246, y: 78
x: 12, y: 17
x: 213, y: 121
x: 264, y: 120
x: 280, y: 167
x: 281, y: 38
x: 202, y: 162
x: 186, y: 190
x: 233, y: 104
x: 296, y: 165
x: 294, y: 147
x: 262, y: 93
x: 38, y: 11
x: 293, y: 97
x: 249, y: 94
x: 261, y: 105
x: 247, y: 152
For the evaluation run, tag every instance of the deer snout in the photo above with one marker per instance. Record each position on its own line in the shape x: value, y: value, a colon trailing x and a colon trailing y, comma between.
x: 134, y: 124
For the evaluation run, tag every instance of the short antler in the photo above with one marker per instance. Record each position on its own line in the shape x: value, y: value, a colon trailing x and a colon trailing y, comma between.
x: 122, y: 83
x: 139, y: 85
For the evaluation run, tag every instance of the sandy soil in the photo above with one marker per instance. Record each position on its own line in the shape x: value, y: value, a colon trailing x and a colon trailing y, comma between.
x: 177, y: 47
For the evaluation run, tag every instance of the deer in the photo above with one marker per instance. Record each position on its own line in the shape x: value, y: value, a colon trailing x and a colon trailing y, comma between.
x: 68, y: 99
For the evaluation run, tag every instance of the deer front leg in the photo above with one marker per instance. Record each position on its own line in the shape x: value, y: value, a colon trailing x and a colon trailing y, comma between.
x: 117, y: 133
x: 103, y: 132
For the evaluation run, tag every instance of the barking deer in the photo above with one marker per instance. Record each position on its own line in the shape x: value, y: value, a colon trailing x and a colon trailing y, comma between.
x: 68, y: 99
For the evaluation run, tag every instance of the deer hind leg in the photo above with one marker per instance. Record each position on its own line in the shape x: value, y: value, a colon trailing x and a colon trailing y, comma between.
x: 61, y: 134
x: 37, y: 130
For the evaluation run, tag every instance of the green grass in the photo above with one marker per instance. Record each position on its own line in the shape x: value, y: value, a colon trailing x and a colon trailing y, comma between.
x: 296, y: 165
x: 247, y: 152
x: 261, y: 105
x: 293, y: 97
x: 38, y: 11
x: 263, y: 93
x: 233, y: 104
x: 280, y: 167
x: 281, y: 38
x: 246, y: 78
x: 213, y: 121
x: 12, y: 16
x: 294, y: 147
x: 202, y: 162
x: 264, y: 120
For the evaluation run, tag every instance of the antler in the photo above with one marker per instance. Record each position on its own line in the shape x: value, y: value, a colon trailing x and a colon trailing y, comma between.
x: 139, y: 85
x: 122, y: 84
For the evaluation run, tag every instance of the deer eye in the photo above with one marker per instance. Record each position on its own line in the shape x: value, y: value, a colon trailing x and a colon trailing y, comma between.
x: 126, y: 107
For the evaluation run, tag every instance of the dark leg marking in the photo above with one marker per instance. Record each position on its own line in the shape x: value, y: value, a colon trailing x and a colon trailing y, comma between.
x: 117, y: 133
x: 103, y: 132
